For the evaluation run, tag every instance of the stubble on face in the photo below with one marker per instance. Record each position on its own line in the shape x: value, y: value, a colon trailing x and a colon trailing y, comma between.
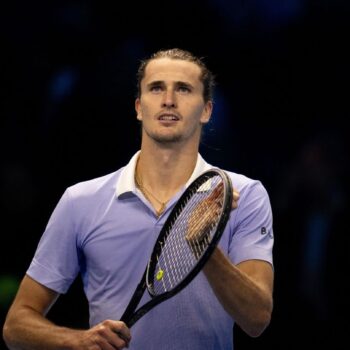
x: 170, y: 138
x: 163, y: 139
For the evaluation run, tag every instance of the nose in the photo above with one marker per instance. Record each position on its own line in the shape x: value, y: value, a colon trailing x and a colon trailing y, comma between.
x: 169, y: 100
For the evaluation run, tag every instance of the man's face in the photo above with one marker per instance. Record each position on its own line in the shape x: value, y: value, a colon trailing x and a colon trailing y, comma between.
x: 171, y: 106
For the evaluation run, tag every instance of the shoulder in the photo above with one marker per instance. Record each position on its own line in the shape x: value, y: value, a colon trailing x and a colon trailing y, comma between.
x: 253, y: 194
x: 94, y: 187
x: 245, y: 184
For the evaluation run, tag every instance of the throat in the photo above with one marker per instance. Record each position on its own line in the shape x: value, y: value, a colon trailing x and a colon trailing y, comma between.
x: 158, y: 205
x: 161, y: 209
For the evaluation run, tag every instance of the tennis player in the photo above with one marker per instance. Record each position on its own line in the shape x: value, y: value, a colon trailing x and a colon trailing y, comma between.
x: 104, y: 230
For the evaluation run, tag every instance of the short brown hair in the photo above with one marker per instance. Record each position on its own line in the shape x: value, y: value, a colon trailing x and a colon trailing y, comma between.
x: 206, y: 77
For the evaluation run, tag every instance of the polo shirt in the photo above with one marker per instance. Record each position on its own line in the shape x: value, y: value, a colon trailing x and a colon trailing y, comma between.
x: 104, y: 230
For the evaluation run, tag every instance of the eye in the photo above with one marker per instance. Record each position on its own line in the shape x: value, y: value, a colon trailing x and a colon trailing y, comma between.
x: 156, y: 88
x: 183, y: 89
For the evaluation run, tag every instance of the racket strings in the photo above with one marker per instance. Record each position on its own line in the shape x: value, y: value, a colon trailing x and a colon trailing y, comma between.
x: 188, y: 235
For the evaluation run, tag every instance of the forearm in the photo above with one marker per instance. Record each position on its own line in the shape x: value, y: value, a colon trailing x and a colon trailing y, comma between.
x: 247, y: 301
x: 29, y: 330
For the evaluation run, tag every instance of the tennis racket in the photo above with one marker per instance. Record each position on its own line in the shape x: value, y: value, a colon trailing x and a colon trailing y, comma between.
x: 185, y: 242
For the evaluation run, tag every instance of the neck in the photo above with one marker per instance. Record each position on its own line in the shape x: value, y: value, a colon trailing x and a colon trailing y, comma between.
x: 166, y: 170
x: 163, y: 169
x: 160, y: 178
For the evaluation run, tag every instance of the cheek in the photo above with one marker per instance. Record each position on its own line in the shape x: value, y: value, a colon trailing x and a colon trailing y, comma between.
x: 143, y: 113
x: 145, y: 108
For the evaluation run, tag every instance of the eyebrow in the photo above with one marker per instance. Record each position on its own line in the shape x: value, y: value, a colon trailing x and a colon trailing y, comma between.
x: 177, y: 83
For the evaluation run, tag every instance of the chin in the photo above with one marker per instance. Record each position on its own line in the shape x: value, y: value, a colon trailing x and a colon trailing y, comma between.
x: 166, y: 138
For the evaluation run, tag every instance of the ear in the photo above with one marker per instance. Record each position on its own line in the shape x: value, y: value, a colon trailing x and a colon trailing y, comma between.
x: 206, y: 114
x: 138, y: 109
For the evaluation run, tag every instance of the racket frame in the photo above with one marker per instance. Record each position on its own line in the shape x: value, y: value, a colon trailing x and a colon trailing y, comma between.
x: 130, y: 316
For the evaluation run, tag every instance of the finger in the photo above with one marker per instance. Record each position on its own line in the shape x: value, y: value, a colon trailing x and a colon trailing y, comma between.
x: 216, y: 192
x: 117, y: 333
x: 123, y: 329
x: 106, y: 345
x: 235, y: 199
x: 124, y: 332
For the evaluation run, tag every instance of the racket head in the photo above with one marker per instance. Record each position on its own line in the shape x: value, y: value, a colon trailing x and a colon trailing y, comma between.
x: 190, y: 234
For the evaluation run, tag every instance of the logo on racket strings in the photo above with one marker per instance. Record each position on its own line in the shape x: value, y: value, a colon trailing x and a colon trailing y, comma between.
x: 159, y: 275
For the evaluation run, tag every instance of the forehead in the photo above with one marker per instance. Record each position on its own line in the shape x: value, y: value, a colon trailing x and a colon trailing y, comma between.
x: 167, y: 69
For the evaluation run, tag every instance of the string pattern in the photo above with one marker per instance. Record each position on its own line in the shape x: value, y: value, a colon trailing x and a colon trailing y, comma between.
x: 188, y: 235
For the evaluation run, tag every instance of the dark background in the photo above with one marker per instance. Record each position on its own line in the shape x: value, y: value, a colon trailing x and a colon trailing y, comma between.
x: 282, y: 67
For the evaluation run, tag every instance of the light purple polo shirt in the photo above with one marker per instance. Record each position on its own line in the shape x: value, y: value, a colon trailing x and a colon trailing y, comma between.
x: 104, y: 229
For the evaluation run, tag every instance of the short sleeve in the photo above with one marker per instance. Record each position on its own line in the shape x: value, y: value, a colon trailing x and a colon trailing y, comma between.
x: 56, y: 260
x: 253, y: 227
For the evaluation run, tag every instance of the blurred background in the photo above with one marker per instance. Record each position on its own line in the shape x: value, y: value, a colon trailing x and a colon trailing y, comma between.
x: 282, y: 68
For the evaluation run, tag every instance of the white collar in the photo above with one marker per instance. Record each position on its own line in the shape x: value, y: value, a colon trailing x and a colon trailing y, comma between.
x: 126, y: 180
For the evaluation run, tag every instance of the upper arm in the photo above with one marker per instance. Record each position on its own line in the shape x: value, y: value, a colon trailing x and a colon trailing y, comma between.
x: 34, y: 296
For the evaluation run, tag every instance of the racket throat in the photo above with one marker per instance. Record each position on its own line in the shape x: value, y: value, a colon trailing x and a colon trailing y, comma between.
x: 130, y: 318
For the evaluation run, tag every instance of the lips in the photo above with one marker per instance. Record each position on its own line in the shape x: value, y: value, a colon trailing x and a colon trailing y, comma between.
x: 168, y: 117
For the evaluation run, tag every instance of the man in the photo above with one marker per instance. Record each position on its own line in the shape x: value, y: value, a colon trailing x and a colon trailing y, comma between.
x: 105, y: 229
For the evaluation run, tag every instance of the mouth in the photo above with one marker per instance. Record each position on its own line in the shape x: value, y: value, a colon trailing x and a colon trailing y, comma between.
x: 168, y: 117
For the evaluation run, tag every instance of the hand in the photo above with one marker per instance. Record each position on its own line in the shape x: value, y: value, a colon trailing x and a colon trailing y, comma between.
x: 107, y: 335
x: 198, y: 231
